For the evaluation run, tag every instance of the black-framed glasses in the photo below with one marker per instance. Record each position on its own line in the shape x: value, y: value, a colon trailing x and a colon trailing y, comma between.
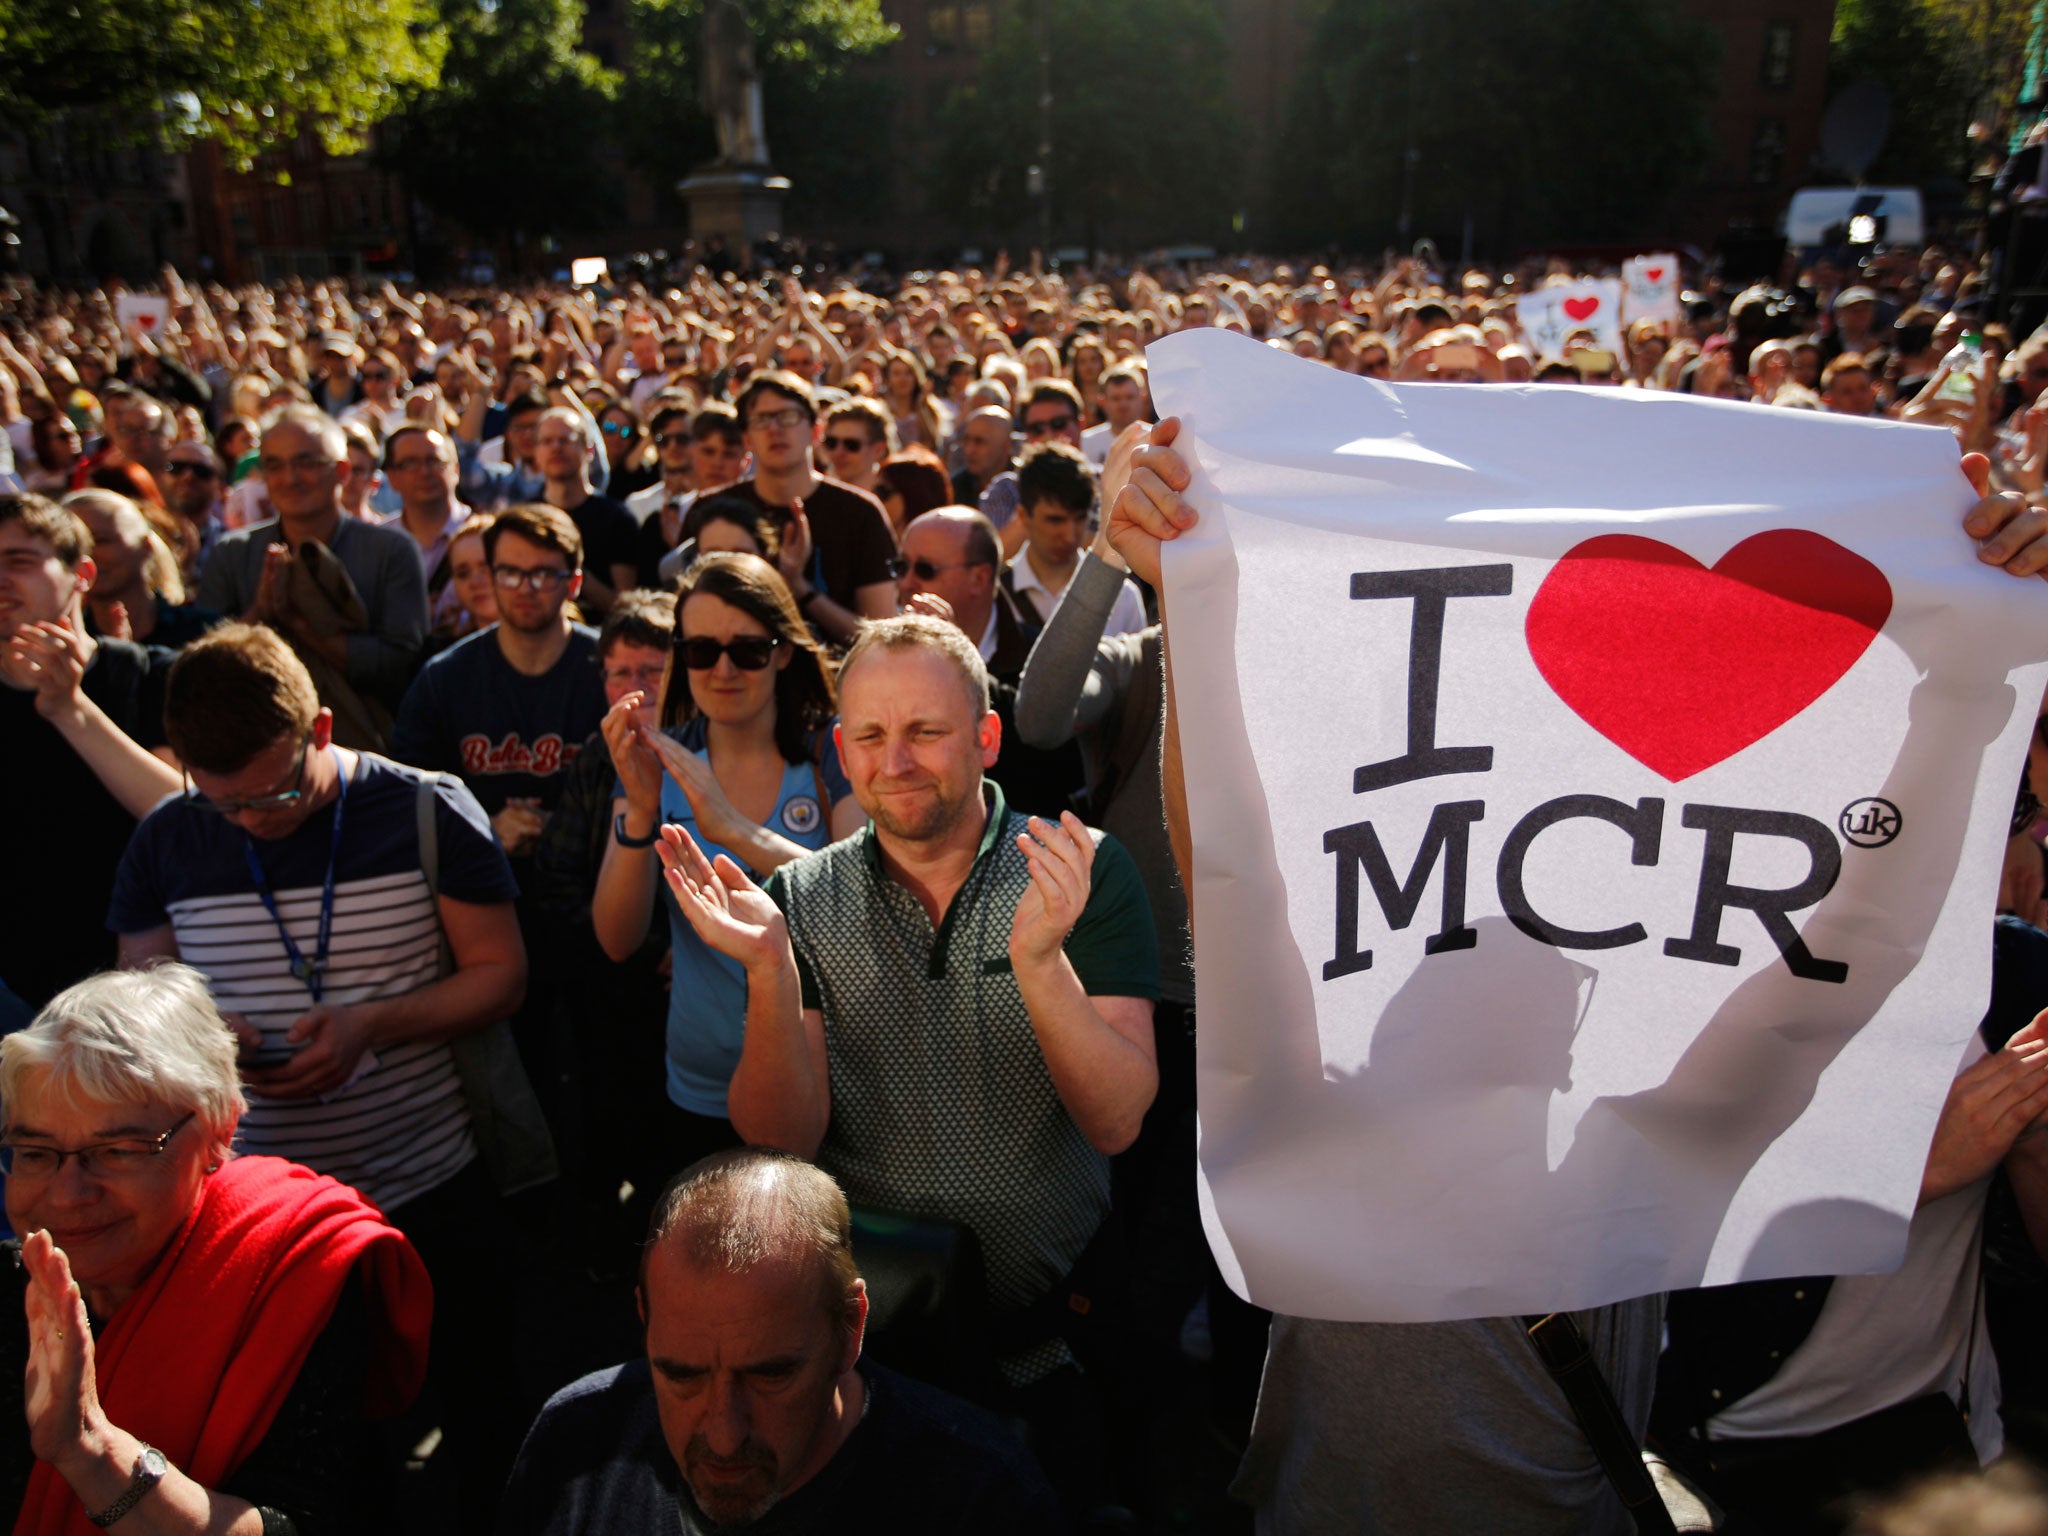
x: 1045, y: 428
x: 787, y: 419
x: 276, y: 800
x: 542, y: 578
x: 28, y: 1160
x: 926, y: 570
x: 750, y: 653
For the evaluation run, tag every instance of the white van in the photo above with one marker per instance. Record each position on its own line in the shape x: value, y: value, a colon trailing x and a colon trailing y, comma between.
x: 1814, y: 211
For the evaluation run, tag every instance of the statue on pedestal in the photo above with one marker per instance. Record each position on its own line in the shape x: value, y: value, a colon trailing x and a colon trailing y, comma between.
x: 730, y: 82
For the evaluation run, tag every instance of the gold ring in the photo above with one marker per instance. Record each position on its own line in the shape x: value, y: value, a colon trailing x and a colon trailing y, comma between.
x: 60, y: 1333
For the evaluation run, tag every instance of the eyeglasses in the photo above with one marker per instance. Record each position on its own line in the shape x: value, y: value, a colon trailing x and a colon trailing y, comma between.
x: 542, y: 578
x: 196, y: 471
x: 304, y: 464
x: 99, y: 1160
x: 376, y: 373
x: 1045, y: 428
x: 750, y: 653
x: 276, y: 800
x: 846, y: 444
x: 421, y: 461
x: 781, y: 421
x: 616, y: 429
x: 646, y: 679
x: 673, y: 440
x: 925, y: 569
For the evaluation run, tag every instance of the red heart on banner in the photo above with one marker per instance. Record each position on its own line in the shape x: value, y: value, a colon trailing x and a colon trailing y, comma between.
x: 1580, y: 309
x: 1681, y: 665
x: 147, y: 322
x: 1654, y: 274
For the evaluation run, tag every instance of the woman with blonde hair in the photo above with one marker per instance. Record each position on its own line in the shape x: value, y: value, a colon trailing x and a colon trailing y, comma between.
x: 137, y: 591
x: 921, y: 417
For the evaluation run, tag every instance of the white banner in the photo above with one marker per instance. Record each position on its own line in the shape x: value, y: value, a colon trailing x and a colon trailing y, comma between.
x: 1598, y: 802
x: 1650, y: 288
x: 1549, y: 315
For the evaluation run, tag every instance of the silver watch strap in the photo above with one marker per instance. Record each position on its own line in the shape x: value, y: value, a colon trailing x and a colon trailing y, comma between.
x: 149, y: 1471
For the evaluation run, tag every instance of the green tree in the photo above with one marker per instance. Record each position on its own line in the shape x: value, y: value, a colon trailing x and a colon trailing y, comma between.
x: 1570, y: 119
x: 1945, y: 64
x: 512, y: 144
x: 824, y: 112
x: 248, y: 75
x: 1146, y: 147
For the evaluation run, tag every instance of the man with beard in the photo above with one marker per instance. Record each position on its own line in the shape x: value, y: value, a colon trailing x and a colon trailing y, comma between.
x: 952, y: 1010
x: 751, y: 1410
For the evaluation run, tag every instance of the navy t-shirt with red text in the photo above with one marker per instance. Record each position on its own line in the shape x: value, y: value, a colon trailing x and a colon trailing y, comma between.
x: 508, y: 736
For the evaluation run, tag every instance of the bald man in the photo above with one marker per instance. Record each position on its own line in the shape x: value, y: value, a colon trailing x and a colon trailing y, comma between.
x: 986, y: 447
x: 752, y: 1409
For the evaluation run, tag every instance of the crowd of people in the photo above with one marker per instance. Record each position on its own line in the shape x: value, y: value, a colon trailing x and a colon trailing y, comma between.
x: 683, y: 777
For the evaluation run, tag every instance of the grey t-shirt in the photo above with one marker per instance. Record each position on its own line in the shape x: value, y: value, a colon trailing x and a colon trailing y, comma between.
x: 1420, y: 1429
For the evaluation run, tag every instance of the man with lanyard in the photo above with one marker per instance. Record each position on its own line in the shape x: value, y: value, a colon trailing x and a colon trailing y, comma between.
x: 294, y: 877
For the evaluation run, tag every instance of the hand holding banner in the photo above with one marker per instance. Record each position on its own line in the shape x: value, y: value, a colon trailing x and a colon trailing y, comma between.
x: 1598, y: 801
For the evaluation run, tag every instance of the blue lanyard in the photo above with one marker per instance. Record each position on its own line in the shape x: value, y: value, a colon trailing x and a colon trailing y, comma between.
x: 312, y: 972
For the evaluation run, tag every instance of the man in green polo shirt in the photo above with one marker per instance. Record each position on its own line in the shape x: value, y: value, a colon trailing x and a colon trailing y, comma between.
x: 952, y: 1010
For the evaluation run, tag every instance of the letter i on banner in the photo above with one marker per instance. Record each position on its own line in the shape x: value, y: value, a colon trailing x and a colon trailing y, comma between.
x: 1598, y: 801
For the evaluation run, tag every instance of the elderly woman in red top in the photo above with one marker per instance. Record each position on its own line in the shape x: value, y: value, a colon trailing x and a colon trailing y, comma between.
x: 207, y: 1337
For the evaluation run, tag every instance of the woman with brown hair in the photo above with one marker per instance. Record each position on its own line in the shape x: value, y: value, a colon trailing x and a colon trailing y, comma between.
x: 745, y: 760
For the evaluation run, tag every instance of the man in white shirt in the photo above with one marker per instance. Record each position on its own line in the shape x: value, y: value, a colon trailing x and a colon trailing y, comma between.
x: 1056, y: 502
x: 1125, y: 398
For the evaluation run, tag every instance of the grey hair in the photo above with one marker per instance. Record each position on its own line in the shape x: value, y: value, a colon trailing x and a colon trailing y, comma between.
x: 311, y: 420
x: 735, y: 1211
x: 125, y: 1037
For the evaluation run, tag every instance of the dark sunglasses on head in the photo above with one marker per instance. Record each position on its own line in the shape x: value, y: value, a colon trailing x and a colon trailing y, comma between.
x: 200, y: 471
x: 1043, y: 428
x: 750, y: 653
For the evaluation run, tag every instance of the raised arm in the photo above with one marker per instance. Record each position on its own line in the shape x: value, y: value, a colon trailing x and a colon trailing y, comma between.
x: 780, y: 1094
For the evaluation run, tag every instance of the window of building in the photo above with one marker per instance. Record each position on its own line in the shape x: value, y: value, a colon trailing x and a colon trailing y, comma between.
x: 978, y: 24
x: 1767, y: 151
x: 1779, y: 37
x: 942, y: 26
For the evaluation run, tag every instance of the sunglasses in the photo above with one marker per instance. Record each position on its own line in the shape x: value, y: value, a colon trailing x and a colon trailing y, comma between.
x: 925, y: 569
x: 376, y: 373
x: 197, y: 471
x: 673, y: 440
x: 750, y: 653
x: 1045, y: 428
x: 845, y: 444
x: 616, y: 429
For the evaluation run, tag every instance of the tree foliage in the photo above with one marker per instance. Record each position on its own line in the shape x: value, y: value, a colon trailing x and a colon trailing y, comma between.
x: 250, y: 76
x: 823, y: 112
x: 1945, y: 63
x: 1146, y: 146
x: 512, y: 142
x: 1564, y: 120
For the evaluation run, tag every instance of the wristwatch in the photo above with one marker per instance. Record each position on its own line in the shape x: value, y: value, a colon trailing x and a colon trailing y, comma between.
x: 150, y: 1468
x: 626, y: 840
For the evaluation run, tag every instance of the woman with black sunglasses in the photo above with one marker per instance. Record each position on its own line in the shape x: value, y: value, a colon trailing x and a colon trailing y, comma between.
x: 744, y: 758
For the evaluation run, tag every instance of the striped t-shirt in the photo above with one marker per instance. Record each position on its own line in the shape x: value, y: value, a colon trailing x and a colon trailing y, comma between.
x: 400, y: 1126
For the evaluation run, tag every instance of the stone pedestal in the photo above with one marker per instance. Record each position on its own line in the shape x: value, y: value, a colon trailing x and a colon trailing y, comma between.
x: 742, y: 203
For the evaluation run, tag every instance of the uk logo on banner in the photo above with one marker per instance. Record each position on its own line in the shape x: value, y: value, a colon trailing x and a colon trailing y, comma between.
x: 1598, y: 801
